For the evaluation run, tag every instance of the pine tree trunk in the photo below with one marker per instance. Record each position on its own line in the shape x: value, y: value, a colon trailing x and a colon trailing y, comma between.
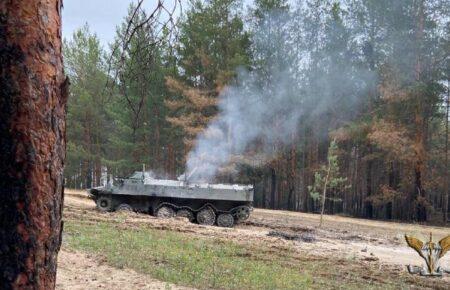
x: 421, y: 214
x: 273, y: 187
x: 32, y: 127
x: 98, y: 170
x: 420, y: 124
x: 324, y: 193
x: 292, y: 173
x: 157, y: 140
x: 86, y: 169
x: 446, y: 165
x: 171, y: 166
x: 368, y: 209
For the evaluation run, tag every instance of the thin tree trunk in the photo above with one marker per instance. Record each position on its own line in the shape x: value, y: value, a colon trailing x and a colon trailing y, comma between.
x: 157, y: 139
x: 33, y: 99
x: 324, y: 194
x: 419, y: 168
x: 292, y: 174
x: 368, y: 208
x: 87, y: 173
x: 98, y: 170
x: 304, y: 184
x: 446, y: 165
x: 420, y: 124
x: 171, y: 161
x: 273, y: 187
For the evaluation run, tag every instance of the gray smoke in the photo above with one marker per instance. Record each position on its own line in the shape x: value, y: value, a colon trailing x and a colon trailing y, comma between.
x: 262, y: 110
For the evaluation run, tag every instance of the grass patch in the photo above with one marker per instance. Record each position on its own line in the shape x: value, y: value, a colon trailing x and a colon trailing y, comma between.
x: 210, y: 263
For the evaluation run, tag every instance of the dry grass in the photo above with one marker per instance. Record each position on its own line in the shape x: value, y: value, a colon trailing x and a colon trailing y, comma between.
x: 244, y: 257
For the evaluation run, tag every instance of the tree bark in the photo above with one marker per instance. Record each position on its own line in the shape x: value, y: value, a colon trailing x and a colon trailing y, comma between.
x: 33, y: 99
x: 273, y: 187
x: 292, y: 174
x: 419, y: 169
x: 420, y: 124
x: 368, y: 208
x: 446, y: 165
x: 171, y: 166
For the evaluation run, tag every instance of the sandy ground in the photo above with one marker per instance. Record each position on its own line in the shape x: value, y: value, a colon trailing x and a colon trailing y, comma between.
x: 79, y: 271
x: 361, y: 239
x: 367, y: 239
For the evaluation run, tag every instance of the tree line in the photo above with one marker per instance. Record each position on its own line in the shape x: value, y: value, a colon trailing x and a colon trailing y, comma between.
x: 370, y: 76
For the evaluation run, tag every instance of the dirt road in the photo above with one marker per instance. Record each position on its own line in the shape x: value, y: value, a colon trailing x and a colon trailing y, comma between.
x: 342, y: 237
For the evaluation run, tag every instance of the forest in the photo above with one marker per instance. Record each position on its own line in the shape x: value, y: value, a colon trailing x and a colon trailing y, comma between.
x: 317, y: 102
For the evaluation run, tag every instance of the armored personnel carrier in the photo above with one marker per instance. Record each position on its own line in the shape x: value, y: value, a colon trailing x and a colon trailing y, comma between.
x: 204, y: 203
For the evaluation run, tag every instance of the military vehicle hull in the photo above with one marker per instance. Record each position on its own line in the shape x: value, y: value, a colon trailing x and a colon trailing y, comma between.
x: 208, y: 204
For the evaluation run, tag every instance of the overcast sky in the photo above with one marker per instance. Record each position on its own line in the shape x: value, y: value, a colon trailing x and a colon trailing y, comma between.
x: 102, y: 16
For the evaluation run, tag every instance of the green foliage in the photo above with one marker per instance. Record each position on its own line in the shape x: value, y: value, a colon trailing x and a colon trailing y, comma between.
x: 334, y: 183
x: 212, y: 44
x: 122, y: 125
x: 139, y: 105
x: 87, y: 117
x: 373, y: 72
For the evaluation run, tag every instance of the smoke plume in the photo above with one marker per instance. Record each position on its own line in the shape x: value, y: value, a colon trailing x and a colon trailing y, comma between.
x: 263, y: 108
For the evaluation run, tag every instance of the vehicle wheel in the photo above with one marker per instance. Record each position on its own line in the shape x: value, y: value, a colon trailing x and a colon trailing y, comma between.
x: 124, y: 207
x: 242, y: 213
x: 165, y: 212
x: 186, y: 214
x: 104, y: 203
x: 206, y: 216
x: 225, y: 220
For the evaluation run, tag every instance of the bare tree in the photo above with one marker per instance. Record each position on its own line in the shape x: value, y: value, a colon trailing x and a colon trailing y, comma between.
x: 163, y: 18
x: 33, y: 99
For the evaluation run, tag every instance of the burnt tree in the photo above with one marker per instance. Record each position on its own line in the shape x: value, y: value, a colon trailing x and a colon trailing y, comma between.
x: 33, y: 93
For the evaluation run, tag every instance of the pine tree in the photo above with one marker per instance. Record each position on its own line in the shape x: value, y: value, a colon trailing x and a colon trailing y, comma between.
x: 138, y: 106
x: 328, y: 179
x: 88, y: 123
x: 33, y: 100
x: 213, y: 44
